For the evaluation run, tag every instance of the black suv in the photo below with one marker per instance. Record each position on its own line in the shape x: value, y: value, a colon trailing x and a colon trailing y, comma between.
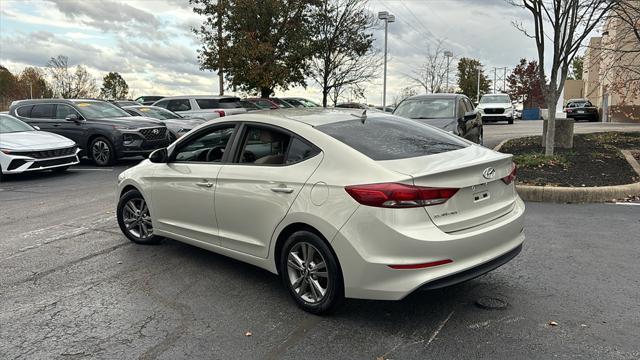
x: 104, y: 131
x: 581, y: 109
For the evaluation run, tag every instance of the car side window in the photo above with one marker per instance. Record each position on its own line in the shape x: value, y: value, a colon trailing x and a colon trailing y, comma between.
x: 162, y: 104
x: 206, y: 147
x: 43, y: 111
x: 24, y: 111
x: 179, y: 105
x: 264, y: 146
x: 300, y: 150
x: 62, y: 111
x: 469, y: 104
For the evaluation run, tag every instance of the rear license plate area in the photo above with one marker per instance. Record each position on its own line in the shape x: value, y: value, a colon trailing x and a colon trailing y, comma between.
x: 480, y: 193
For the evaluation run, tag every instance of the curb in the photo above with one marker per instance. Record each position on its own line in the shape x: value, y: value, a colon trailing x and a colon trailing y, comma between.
x: 593, y: 194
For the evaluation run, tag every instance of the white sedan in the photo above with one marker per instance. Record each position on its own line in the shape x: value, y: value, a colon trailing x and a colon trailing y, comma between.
x: 23, y: 148
x: 339, y: 204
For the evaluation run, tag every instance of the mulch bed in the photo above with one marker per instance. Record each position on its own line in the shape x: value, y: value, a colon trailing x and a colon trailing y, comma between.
x: 594, y: 160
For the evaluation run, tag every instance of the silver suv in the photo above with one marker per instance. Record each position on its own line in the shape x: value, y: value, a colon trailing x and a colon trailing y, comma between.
x: 203, y: 106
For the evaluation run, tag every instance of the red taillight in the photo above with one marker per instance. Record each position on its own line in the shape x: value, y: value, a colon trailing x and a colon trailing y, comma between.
x: 568, y: 110
x: 512, y: 176
x: 220, y: 112
x: 394, y: 195
x: 421, y: 266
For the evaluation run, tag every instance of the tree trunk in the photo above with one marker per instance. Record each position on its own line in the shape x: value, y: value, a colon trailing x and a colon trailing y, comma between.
x: 551, y: 127
x: 325, y: 94
x: 265, y: 93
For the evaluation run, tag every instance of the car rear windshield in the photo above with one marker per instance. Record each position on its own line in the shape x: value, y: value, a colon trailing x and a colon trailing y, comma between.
x: 392, y: 138
x: 225, y: 103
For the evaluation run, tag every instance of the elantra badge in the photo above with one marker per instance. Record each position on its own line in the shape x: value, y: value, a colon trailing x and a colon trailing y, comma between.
x: 489, y: 173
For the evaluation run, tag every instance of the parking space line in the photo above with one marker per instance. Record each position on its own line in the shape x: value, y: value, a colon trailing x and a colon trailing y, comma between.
x: 627, y: 203
x: 90, y: 169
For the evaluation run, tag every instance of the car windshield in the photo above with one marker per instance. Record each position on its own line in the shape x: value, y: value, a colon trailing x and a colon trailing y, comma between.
x: 9, y: 124
x: 495, y: 99
x: 157, y: 113
x: 100, y: 110
x: 391, y: 138
x: 308, y: 103
x: 427, y: 109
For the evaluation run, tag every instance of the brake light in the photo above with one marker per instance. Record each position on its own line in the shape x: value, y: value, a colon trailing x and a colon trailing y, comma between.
x: 512, y: 176
x: 220, y: 112
x: 568, y: 110
x: 395, y: 195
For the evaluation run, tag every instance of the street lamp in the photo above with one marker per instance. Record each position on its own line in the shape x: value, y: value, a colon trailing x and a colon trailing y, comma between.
x: 384, y: 15
x: 448, y: 54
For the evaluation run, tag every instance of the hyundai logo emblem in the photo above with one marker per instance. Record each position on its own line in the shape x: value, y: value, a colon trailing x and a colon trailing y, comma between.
x: 489, y: 173
x: 155, y: 131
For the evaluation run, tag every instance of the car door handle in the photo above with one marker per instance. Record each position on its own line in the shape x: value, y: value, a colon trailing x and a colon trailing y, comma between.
x: 57, y: 125
x: 205, y: 184
x: 284, y: 190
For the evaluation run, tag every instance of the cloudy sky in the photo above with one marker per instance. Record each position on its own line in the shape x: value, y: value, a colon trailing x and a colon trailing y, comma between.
x: 150, y: 44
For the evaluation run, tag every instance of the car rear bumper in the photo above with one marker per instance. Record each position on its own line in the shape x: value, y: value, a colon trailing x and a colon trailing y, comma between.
x: 473, y: 252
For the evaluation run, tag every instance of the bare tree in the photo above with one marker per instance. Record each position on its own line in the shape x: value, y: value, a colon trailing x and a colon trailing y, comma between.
x: 565, y: 24
x: 345, y: 57
x: 405, y: 92
x: 70, y: 84
x: 431, y: 75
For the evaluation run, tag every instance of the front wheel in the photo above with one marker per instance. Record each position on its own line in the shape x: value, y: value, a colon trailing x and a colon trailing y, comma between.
x: 102, y: 152
x: 311, y: 273
x: 511, y: 121
x: 134, y: 218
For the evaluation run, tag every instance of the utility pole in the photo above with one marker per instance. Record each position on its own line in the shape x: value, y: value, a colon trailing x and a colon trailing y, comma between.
x: 494, y: 80
x: 504, y: 81
x: 30, y: 90
x: 384, y: 15
x: 449, y: 55
x: 220, y: 46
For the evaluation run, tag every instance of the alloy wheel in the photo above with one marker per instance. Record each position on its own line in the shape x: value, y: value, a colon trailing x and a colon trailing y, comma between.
x: 137, y: 219
x: 307, y: 272
x: 101, y: 152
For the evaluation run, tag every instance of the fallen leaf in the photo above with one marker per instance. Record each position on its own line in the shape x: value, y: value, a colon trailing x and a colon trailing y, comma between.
x: 119, y: 262
x: 248, y: 333
x: 553, y: 323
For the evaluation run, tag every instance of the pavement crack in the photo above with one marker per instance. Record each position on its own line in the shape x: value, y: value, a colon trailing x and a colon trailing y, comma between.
x: 294, y: 337
x: 39, y: 275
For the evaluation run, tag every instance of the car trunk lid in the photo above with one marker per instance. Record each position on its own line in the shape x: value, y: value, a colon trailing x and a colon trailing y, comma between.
x: 482, y: 195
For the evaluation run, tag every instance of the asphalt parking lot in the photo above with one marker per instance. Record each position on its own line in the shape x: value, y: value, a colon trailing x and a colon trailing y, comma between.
x: 72, y: 286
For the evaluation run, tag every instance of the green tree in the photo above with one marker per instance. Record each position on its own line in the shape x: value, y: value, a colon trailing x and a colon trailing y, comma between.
x: 575, y: 73
x: 468, y: 78
x: 345, y: 57
x: 33, y: 84
x: 114, y: 87
x: 267, y: 44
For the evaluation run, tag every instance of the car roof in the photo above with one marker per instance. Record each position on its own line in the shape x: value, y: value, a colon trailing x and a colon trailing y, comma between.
x: 311, y: 116
x: 198, y: 97
x: 435, y: 96
x: 578, y: 100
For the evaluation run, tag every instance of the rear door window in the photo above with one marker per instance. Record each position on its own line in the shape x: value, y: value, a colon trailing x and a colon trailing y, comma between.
x: 179, y: 105
x: 229, y: 103
x: 391, y: 138
x: 299, y: 151
x: 24, y: 111
x: 62, y: 111
x: 264, y: 146
x: 207, y: 103
x: 162, y: 104
x: 43, y: 111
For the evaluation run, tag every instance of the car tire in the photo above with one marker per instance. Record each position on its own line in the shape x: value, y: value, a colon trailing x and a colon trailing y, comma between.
x: 134, y: 218
x: 306, y: 272
x: 101, y: 151
x: 511, y: 121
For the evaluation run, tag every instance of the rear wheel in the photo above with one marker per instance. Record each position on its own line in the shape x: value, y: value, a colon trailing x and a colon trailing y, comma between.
x: 311, y: 273
x: 102, y: 152
x: 134, y: 218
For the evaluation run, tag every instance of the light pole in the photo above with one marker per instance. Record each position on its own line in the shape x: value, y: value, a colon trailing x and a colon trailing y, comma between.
x: 384, y: 15
x: 448, y: 55
x: 478, y: 95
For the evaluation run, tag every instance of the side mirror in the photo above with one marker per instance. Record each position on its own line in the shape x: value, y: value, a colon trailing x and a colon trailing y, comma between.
x: 470, y: 115
x: 72, y: 117
x: 36, y: 127
x: 159, y: 156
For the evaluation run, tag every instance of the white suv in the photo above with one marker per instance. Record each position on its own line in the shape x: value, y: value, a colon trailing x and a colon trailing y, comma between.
x: 202, y: 106
x: 496, y: 107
